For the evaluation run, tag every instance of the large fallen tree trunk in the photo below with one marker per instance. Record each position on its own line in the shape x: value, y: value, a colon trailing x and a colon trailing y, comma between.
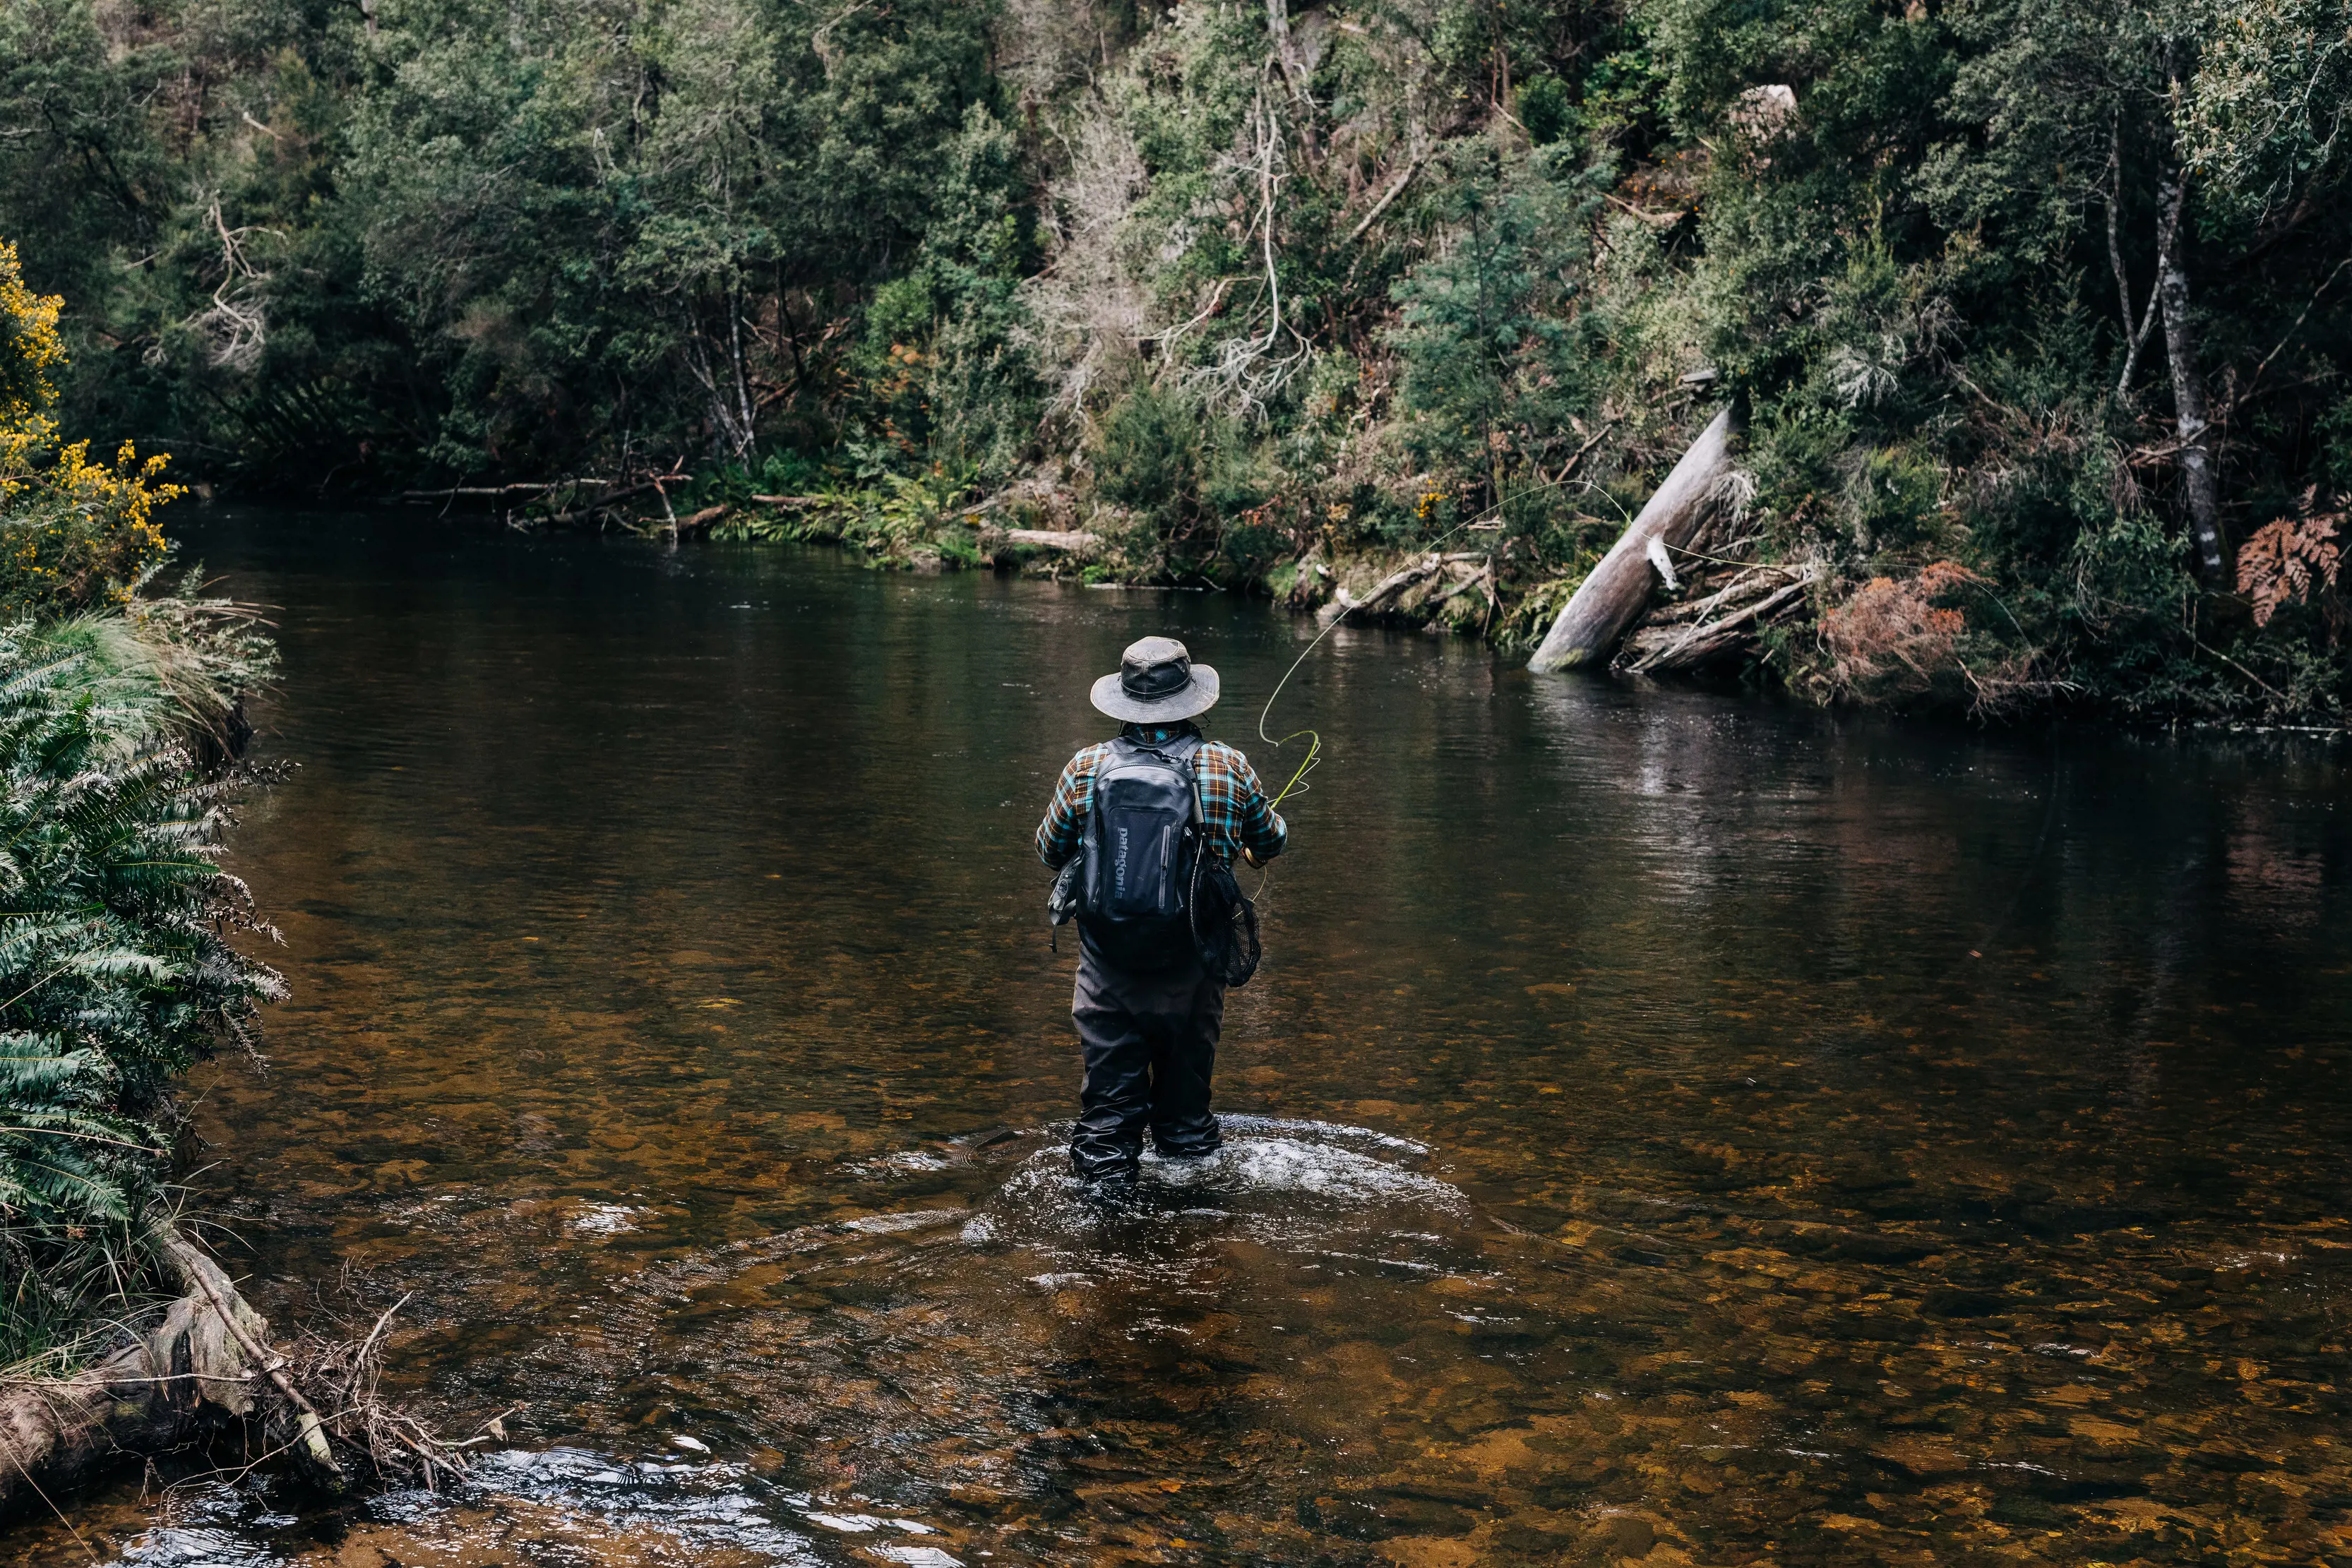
x: 206, y: 1362
x: 1609, y: 598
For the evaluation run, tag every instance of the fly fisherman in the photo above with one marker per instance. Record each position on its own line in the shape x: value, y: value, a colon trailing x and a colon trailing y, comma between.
x: 1143, y: 829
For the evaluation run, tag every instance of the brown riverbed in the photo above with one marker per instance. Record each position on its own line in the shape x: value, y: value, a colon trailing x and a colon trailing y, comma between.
x: 1668, y: 1124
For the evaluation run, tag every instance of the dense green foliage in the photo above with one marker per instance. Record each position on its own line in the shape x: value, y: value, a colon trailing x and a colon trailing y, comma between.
x: 2038, y: 309
x: 116, y: 966
x: 115, y: 962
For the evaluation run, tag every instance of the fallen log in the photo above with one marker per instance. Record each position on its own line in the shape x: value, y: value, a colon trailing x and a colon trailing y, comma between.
x: 1072, y: 542
x: 520, y: 487
x: 1613, y: 592
x: 1395, y: 584
x: 205, y: 1361
x: 601, y: 503
x: 1343, y: 602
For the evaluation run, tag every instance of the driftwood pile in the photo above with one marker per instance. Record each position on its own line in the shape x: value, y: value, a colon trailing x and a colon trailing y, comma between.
x: 1717, y: 617
x: 205, y: 1364
x: 1421, y: 585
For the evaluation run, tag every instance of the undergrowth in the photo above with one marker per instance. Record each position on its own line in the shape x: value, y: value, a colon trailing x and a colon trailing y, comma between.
x: 119, y: 711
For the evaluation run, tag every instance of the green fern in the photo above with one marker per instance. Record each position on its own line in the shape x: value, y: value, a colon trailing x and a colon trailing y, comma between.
x: 116, y: 970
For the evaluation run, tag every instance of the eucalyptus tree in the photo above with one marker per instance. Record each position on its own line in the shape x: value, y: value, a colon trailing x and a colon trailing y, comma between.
x: 2077, y: 103
x: 2204, y: 137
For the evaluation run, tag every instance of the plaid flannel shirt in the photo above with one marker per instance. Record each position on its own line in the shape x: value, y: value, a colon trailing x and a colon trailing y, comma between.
x: 1231, y: 802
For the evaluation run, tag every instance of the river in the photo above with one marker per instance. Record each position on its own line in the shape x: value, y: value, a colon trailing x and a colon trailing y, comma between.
x: 1668, y: 1124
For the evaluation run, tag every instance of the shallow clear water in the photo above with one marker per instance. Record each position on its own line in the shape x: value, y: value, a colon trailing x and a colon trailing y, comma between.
x: 1667, y: 1124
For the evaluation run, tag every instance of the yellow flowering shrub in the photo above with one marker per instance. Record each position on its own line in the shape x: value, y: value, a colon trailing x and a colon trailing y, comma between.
x: 29, y: 350
x: 73, y: 533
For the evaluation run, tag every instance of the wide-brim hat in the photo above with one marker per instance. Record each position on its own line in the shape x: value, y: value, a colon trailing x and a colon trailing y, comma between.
x: 1157, y: 683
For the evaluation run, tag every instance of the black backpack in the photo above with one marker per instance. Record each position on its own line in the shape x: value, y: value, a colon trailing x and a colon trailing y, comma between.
x: 1142, y: 848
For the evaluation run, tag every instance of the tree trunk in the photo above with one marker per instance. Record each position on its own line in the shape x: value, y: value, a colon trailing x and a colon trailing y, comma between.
x: 2198, y: 481
x: 2196, y: 477
x: 1614, y: 592
x: 1278, y: 25
x: 2134, y: 337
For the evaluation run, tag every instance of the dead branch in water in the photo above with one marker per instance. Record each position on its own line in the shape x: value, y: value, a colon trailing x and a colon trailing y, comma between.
x: 1725, y: 622
x: 495, y: 492
x: 395, y: 1446
x: 200, y: 1275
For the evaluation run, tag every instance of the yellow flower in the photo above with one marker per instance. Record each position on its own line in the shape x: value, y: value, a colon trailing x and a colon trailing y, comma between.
x: 85, y: 531
x: 29, y: 350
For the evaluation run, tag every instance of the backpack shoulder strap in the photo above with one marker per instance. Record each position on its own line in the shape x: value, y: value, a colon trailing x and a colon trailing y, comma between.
x: 1192, y: 744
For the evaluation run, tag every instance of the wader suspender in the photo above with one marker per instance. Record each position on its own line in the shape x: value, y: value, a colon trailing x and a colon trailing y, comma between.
x: 1200, y: 852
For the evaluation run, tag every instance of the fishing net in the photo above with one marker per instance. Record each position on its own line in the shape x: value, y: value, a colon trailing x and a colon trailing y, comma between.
x: 1225, y: 922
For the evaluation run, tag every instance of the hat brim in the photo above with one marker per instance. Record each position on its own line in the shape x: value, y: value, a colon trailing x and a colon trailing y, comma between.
x: 1198, y: 695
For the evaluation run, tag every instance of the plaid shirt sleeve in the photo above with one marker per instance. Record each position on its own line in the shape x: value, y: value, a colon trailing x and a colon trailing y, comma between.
x: 1239, y: 815
x: 1064, y: 829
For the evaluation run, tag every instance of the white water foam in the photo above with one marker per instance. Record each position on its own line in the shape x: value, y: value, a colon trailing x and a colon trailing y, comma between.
x: 892, y: 1223
x: 1251, y: 1167
x: 1290, y: 1165
x: 1313, y: 1190
x: 576, y: 1500
x: 1339, y: 1130
x: 604, y: 1219
x: 705, y: 1507
x: 906, y: 1162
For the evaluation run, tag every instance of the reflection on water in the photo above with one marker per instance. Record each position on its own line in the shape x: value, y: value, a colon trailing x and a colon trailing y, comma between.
x: 1666, y: 1126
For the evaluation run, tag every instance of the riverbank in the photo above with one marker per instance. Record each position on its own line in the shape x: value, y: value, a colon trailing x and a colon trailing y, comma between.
x: 118, y: 1337
x: 1716, y: 598
x: 122, y: 716
x: 1249, y: 294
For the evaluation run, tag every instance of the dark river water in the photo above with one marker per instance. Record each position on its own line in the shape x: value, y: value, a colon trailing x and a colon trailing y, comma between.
x: 1668, y: 1126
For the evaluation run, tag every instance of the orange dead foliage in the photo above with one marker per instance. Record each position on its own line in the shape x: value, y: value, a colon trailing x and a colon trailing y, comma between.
x: 2283, y: 559
x: 1892, y: 638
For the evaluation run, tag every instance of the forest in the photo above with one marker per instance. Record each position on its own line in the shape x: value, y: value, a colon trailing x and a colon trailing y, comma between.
x: 2032, y: 315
